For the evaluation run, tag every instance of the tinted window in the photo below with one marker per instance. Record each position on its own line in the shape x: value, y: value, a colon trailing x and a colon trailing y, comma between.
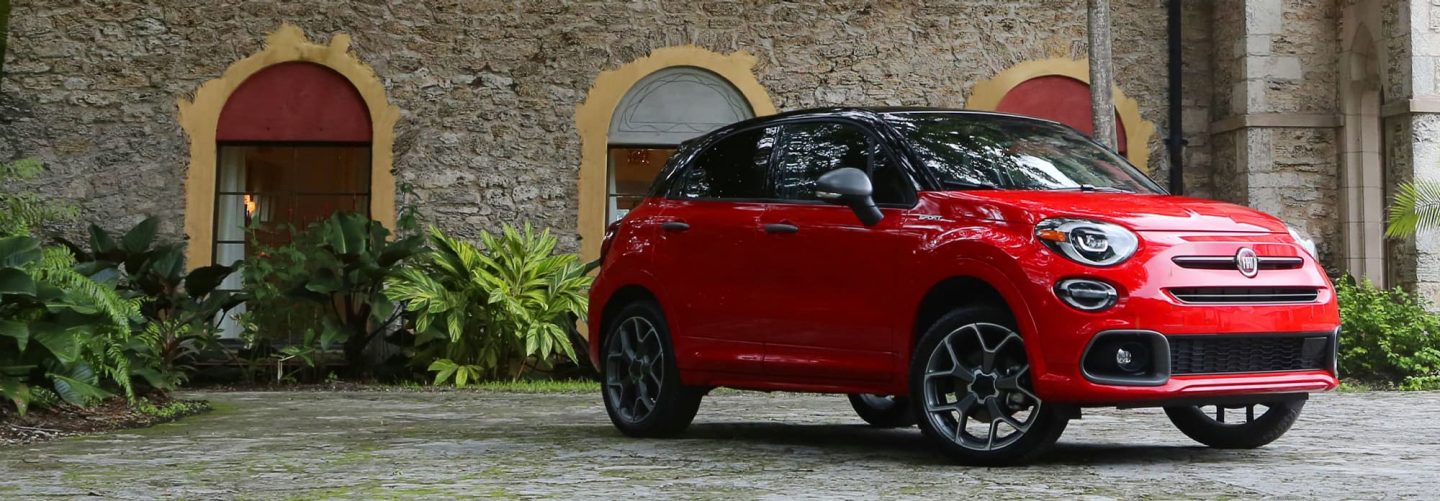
x: 809, y: 150
x: 734, y: 167
x: 979, y: 151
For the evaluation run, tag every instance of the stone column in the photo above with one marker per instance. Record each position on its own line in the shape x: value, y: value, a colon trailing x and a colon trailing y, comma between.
x: 1273, y: 140
x: 1411, y: 112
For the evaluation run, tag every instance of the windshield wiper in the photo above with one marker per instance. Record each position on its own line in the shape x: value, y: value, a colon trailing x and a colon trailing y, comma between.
x: 961, y: 185
x: 1091, y: 187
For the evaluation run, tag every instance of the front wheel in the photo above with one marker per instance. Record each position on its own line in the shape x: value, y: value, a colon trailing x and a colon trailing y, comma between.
x: 971, y: 381
x: 883, y: 411
x: 642, y: 391
x: 1244, y: 426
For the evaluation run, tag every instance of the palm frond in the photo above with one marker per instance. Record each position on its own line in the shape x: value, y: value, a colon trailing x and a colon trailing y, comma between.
x: 1416, y: 208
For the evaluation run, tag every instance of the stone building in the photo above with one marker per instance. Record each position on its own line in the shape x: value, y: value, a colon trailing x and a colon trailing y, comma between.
x: 212, y: 114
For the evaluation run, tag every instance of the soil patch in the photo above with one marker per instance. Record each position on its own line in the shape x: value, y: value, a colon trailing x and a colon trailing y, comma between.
x: 113, y: 414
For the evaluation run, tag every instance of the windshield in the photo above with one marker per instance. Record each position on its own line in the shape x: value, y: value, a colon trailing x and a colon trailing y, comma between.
x: 997, y: 152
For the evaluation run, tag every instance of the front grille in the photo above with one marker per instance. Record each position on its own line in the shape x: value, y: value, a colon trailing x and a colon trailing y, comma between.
x: 1245, y: 295
x: 1219, y: 354
x: 1228, y: 262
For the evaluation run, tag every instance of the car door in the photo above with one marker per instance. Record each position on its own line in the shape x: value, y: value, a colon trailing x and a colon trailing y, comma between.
x: 706, y: 255
x: 828, y: 277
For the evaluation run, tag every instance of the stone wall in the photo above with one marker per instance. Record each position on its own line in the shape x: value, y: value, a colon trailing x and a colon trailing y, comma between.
x: 1275, y: 111
x: 488, y: 89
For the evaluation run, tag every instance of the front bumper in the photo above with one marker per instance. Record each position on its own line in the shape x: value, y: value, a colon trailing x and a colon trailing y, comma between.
x: 1147, y: 304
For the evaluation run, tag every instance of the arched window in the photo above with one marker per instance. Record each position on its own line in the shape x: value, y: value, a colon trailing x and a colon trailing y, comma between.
x: 284, y: 138
x: 294, y: 147
x: 635, y: 115
x: 662, y: 110
x: 1059, y: 89
x: 1062, y: 99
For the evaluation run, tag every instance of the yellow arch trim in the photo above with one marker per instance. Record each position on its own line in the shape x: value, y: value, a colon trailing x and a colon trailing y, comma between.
x: 200, y: 116
x: 592, y: 119
x: 987, y: 95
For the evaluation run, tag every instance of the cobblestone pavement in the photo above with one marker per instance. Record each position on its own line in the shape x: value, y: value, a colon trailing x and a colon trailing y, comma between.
x: 744, y: 445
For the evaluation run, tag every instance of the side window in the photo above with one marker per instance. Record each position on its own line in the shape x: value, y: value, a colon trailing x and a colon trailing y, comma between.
x: 733, y: 168
x: 809, y: 150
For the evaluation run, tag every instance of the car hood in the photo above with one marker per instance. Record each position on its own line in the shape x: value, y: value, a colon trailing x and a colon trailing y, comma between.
x: 1140, y: 212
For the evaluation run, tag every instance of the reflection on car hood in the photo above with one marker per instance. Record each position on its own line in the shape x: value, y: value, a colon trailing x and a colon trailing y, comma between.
x: 1140, y: 212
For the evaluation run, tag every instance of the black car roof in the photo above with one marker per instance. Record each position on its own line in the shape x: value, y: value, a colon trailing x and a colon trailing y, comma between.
x: 875, y: 112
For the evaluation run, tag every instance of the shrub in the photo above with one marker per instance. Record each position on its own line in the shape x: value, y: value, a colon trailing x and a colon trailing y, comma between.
x: 1387, y: 336
x: 60, y: 331
x: 180, y: 310
x: 477, y: 312
x: 337, y: 268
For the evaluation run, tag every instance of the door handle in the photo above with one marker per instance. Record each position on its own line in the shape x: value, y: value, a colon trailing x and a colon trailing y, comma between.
x: 781, y: 228
x: 675, y: 226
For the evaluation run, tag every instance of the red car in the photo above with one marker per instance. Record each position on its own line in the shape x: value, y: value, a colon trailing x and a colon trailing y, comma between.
x: 983, y: 275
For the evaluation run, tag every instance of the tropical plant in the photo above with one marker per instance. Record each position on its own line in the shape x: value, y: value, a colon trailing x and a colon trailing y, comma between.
x: 1388, y: 336
x: 59, y: 329
x: 340, y: 265
x: 21, y: 212
x: 475, y: 312
x: 181, y: 310
x: 1416, y: 208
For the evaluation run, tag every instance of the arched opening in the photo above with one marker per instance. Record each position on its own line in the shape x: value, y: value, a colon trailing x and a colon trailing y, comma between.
x: 1062, y: 99
x: 1059, y: 89
x: 300, y: 128
x: 284, y: 138
x: 1362, y: 184
x: 294, y: 147
x: 661, y: 111
x: 635, y: 115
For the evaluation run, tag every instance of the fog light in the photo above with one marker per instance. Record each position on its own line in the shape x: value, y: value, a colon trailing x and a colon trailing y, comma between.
x: 1132, y: 357
x: 1122, y: 357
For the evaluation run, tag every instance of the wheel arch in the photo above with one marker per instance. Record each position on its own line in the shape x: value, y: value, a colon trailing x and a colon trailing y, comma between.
x: 981, y: 285
x: 624, y: 295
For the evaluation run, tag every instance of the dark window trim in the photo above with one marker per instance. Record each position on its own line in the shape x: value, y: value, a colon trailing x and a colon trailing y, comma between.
x: 780, y: 124
x: 705, y: 148
x: 874, y: 139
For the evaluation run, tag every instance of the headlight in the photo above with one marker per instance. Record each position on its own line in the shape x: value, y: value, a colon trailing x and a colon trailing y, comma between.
x: 1088, y: 242
x: 1303, y: 239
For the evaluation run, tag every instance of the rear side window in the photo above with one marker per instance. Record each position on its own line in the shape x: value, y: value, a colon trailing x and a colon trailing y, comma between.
x: 733, y: 168
x: 809, y: 150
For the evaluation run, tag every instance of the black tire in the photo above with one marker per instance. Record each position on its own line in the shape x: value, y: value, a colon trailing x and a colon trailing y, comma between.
x: 673, y: 405
x: 883, y: 411
x: 1249, y: 432
x: 1010, y: 390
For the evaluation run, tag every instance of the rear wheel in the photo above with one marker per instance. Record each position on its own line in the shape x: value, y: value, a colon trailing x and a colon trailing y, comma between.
x: 1243, y: 426
x: 883, y: 411
x: 973, y: 392
x: 642, y: 391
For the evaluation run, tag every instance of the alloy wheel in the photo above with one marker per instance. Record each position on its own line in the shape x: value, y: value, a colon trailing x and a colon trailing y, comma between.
x: 635, y: 368
x: 977, y: 388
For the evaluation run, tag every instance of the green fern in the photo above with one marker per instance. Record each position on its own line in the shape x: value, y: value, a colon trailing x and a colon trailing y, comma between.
x: 1416, y: 208
x: 21, y: 213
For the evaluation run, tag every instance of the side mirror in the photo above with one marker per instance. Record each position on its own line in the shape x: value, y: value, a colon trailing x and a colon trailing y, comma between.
x: 850, y: 187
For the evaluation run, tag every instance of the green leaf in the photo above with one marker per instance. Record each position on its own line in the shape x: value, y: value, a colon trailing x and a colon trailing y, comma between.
x: 76, y: 391
x: 446, y: 369
x: 18, y: 251
x: 63, y: 344
x: 15, y: 390
x: 139, y: 238
x: 103, y: 244
x: 203, y: 280
x: 1416, y: 207
x: 18, y: 331
x: 15, y: 281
